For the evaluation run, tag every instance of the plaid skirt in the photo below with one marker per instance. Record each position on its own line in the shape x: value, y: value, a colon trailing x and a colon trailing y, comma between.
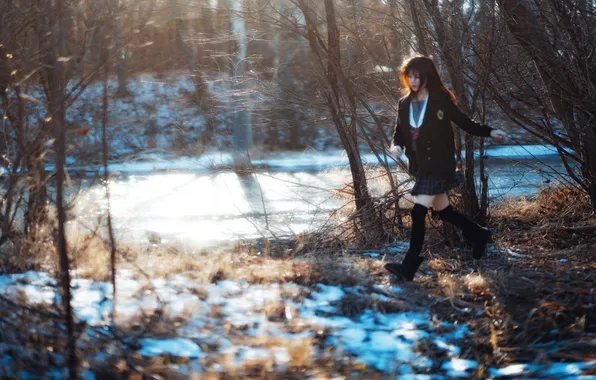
x: 429, y: 186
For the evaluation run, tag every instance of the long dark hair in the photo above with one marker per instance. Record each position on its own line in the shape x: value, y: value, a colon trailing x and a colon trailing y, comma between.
x: 427, y: 72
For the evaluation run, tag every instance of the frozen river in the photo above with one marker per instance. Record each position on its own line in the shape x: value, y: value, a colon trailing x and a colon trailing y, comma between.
x: 200, y: 203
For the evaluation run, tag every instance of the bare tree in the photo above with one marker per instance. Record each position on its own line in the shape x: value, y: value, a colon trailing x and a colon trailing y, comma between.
x: 121, y: 56
x: 54, y: 72
x: 418, y: 29
x: 559, y: 39
x: 342, y: 102
x: 190, y: 54
x: 223, y: 27
x: 42, y: 54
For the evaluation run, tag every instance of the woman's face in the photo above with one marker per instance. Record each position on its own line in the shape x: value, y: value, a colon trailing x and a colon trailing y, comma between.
x: 414, y: 81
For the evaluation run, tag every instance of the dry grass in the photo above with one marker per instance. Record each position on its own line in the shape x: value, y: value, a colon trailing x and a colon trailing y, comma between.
x: 90, y: 257
x: 29, y: 252
x: 542, y: 224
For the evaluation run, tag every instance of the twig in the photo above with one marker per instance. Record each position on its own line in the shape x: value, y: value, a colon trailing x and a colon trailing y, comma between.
x: 581, y: 229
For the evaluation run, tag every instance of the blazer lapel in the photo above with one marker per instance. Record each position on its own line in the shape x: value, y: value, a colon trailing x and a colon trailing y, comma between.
x: 428, y: 111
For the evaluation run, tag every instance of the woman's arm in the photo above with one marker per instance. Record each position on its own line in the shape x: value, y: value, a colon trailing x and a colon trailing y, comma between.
x: 455, y: 114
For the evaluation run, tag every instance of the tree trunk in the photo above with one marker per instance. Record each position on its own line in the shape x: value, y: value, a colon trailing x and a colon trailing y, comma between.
x: 397, y: 38
x: 56, y: 91
x: 37, y: 211
x: 420, y: 35
x: 588, y: 140
x: 369, y: 223
x: 223, y: 32
x: 348, y: 132
x: 484, y: 54
x: 29, y: 146
x: 242, y: 127
x: 206, y: 30
x: 121, y: 57
x: 189, y: 54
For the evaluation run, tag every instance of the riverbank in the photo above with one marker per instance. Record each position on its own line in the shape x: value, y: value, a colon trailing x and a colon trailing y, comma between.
x: 309, y: 160
x: 265, y: 310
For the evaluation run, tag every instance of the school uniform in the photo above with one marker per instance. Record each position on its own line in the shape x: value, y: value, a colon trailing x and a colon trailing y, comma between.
x: 428, y: 140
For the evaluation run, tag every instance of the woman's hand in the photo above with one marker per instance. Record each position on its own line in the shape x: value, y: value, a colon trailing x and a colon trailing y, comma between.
x: 396, y: 151
x: 498, y: 135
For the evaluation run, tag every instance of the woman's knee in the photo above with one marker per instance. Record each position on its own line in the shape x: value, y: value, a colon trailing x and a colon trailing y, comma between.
x: 440, y: 202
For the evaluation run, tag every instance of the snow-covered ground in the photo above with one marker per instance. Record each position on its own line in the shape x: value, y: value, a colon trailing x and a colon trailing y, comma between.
x: 243, y: 324
x: 158, y: 115
x: 156, y: 110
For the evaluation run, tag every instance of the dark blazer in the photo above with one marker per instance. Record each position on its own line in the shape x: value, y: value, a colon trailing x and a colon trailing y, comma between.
x: 435, y: 154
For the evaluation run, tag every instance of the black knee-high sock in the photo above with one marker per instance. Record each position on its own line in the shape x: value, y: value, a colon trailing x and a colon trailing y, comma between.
x: 407, y: 269
x: 418, y: 229
x: 479, y: 236
x: 469, y: 227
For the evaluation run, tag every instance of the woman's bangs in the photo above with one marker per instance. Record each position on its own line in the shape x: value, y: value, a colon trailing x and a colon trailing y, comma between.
x: 412, y: 70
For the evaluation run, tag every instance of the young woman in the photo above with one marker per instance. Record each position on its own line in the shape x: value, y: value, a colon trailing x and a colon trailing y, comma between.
x: 423, y: 129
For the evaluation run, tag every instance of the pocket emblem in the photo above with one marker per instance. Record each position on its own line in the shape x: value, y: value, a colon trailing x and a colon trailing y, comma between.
x: 440, y: 114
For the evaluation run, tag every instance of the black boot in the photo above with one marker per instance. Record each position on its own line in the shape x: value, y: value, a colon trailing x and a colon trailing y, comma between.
x: 478, y: 235
x: 407, y: 269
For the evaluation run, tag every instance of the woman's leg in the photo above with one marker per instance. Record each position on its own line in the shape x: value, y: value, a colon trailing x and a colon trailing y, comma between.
x: 472, y: 231
x: 440, y: 202
x: 419, y: 211
x: 407, y: 269
x: 424, y: 200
